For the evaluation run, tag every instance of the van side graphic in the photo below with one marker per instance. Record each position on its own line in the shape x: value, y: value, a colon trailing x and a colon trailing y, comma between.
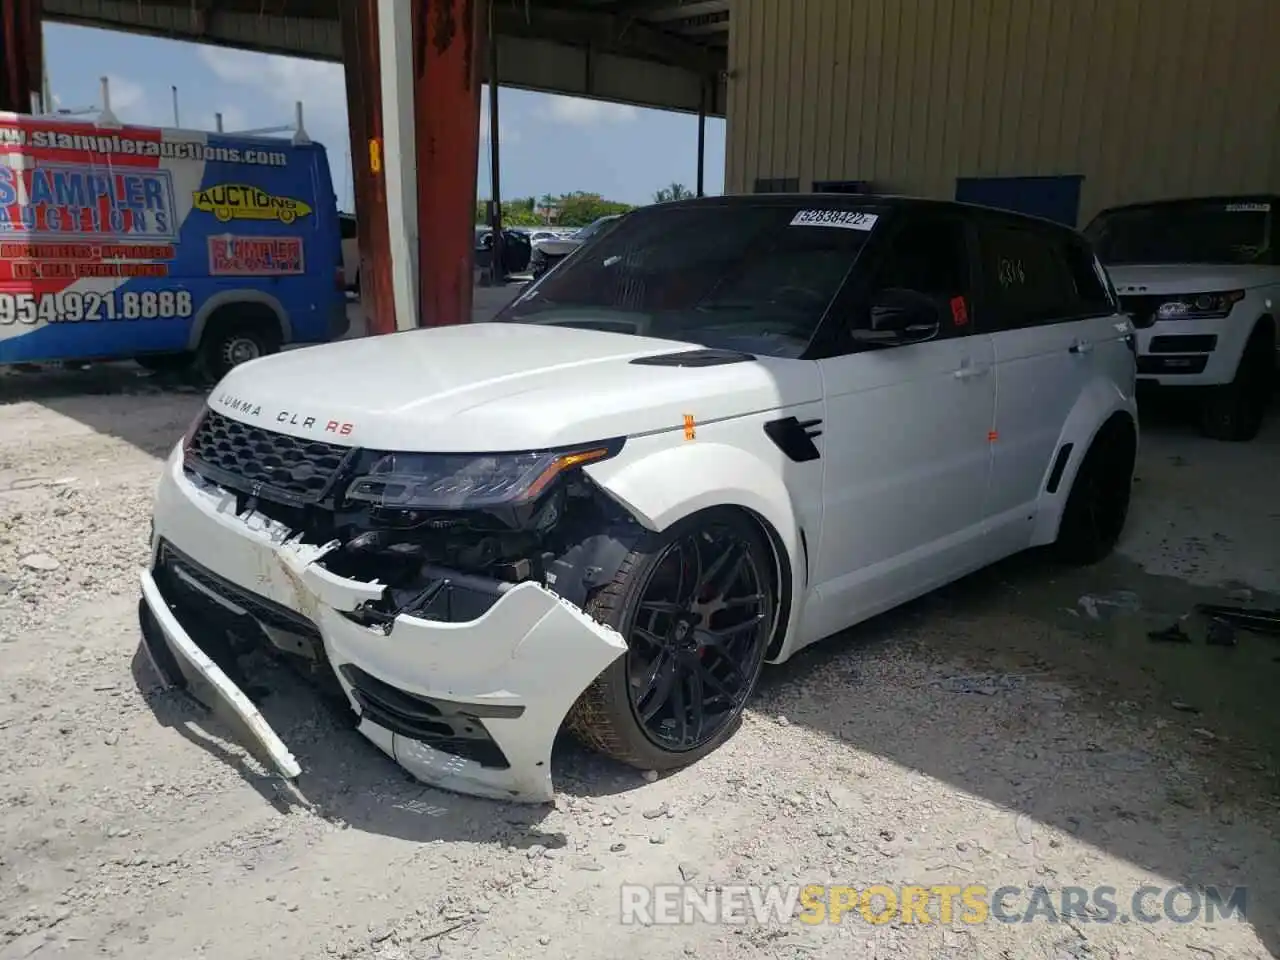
x: 240, y: 201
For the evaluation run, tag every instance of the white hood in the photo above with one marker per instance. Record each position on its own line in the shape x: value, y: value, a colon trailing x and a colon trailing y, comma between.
x: 1168, y: 279
x: 495, y: 387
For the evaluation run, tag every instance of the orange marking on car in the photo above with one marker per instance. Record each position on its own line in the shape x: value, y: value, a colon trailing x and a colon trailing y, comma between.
x: 690, y: 430
x: 992, y: 436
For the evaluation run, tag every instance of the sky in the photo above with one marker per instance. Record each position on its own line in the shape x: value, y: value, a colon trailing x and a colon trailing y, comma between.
x: 549, y: 144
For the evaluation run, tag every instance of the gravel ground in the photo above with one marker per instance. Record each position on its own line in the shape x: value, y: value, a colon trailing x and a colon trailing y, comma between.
x: 1016, y: 729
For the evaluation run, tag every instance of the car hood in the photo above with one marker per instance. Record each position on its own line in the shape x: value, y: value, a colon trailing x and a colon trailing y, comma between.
x: 497, y: 387
x: 1175, y: 278
x: 557, y: 247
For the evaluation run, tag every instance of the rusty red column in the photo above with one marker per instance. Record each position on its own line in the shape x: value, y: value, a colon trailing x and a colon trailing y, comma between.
x: 362, y: 66
x: 21, y: 54
x: 448, y: 50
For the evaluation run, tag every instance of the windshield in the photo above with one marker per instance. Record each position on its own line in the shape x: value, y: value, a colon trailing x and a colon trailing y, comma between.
x: 756, y: 278
x: 1220, y: 232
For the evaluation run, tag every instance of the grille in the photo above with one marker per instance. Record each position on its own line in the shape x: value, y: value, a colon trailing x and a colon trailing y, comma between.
x: 1143, y: 308
x: 300, y: 469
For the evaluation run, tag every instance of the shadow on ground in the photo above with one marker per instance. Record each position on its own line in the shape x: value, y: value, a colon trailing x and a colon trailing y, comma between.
x: 348, y: 781
x: 1026, y: 685
x: 1040, y: 689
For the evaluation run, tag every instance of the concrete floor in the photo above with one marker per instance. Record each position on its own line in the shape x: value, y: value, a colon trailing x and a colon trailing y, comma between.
x: 1017, y: 728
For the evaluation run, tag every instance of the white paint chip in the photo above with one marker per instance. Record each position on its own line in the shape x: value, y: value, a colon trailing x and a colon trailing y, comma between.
x: 843, y: 219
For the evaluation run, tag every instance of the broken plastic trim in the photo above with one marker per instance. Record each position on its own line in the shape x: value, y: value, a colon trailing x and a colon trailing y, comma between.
x: 447, y: 596
x: 1259, y: 621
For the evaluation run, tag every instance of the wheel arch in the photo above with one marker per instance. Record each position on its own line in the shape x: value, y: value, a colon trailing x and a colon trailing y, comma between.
x: 732, y: 478
x: 1099, y: 410
x: 228, y: 299
x: 1267, y: 324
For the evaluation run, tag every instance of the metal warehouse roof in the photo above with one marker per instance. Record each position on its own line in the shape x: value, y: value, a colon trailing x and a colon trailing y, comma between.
x: 649, y: 52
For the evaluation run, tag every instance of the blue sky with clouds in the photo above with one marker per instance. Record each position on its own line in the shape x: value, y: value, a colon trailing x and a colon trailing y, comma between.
x: 549, y: 144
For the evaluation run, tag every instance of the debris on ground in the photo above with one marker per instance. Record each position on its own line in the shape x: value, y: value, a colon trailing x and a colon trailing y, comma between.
x: 1253, y: 620
x: 1172, y: 634
x: 990, y: 740
x: 1116, y: 603
x: 1220, y: 633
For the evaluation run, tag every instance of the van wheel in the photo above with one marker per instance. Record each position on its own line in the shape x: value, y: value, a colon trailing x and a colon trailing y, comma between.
x: 229, y: 342
x: 1098, y: 504
x: 1234, y: 411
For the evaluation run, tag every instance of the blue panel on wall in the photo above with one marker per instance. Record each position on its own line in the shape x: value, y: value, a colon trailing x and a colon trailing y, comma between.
x: 1054, y: 198
x: 841, y: 186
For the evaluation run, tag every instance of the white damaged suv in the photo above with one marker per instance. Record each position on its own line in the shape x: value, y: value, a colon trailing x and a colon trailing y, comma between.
x: 719, y: 432
x: 1201, y: 278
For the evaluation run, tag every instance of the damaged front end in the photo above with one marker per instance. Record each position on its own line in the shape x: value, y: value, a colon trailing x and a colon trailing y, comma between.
x: 443, y: 593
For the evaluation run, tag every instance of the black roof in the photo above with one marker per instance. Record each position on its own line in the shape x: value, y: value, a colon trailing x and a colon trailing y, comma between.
x: 880, y: 201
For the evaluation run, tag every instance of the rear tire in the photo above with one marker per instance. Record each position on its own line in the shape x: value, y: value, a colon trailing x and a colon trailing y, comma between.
x: 233, y: 338
x: 1234, y: 411
x: 1098, y: 504
x: 696, y: 605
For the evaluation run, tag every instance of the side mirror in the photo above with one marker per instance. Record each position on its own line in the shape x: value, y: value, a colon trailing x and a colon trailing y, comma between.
x: 899, y: 317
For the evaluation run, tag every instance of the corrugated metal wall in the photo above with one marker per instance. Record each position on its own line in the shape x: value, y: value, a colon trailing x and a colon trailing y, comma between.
x: 1144, y: 98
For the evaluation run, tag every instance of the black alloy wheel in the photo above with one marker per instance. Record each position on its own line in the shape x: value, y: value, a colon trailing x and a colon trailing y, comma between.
x: 697, y: 607
x: 1098, y: 506
x: 697, y: 639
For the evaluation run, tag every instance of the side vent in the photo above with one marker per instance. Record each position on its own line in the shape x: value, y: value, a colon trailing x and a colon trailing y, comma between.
x: 1059, y: 467
x: 795, y: 437
x: 695, y: 358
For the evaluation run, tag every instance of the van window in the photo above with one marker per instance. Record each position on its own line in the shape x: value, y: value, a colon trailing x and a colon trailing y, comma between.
x: 348, y: 227
x: 1026, y: 281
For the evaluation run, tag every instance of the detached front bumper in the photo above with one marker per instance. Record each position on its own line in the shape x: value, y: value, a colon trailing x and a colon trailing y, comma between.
x: 471, y: 706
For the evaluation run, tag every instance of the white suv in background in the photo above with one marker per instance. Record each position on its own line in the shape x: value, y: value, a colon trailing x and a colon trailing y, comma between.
x: 721, y: 431
x: 1201, y: 278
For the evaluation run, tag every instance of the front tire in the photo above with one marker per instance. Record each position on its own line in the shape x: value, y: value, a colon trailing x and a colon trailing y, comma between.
x: 1098, y: 504
x: 1234, y: 411
x: 696, y: 605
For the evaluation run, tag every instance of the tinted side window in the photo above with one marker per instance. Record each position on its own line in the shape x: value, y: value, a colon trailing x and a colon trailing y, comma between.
x: 1026, y: 281
x: 1091, y: 294
x: 929, y: 254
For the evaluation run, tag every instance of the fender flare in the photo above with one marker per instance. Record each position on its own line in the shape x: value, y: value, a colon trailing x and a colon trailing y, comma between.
x: 1097, y: 404
x: 730, y: 477
x: 227, y: 298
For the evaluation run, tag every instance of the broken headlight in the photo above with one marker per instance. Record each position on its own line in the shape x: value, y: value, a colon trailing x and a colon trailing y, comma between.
x: 465, y: 481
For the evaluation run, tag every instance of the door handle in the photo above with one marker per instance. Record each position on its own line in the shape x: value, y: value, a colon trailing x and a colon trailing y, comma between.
x: 969, y: 372
x: 1081, y: 347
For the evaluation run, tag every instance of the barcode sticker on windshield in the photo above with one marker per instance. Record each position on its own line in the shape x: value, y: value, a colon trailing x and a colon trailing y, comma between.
x: 1248, y: 208
x: 844, y: 219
